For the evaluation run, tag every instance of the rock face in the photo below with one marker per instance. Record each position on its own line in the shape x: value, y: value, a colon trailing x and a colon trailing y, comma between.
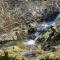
x: 53, y: 41
x: 24, y: 12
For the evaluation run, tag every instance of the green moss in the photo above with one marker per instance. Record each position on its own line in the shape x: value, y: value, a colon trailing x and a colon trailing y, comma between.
x: 40, y: 39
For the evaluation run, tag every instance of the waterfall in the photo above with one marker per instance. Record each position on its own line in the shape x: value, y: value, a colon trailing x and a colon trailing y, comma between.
x: 44, y: 26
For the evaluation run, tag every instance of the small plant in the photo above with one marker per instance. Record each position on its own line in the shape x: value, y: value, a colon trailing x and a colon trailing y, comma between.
x: 40, y: 40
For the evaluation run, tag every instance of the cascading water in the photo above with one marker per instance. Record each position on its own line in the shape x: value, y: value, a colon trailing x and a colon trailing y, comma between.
x: 43, y: 26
